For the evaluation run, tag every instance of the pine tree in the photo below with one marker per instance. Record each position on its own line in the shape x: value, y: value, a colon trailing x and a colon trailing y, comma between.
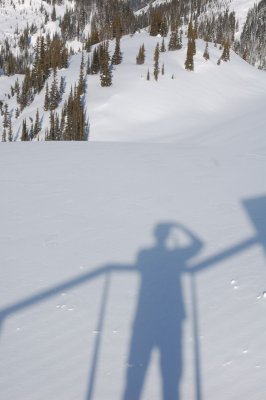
x: 245, y: 54
x: 31, y: 134
x: 37, y: 125
x: 53, y: 15
x: 192, y: 36
x: 140, y: 59
x: 4, y: 135
x: 57, y: 127
x: 82, y: 81
x: 175, y: 42
x: 226, y: 52
x: 156, y: 62
x: 46, y: 98
x: 54, y: 93
x: 88, y: 66
x: 106, y: 76
x: 52, y: 133
x: 206, y: 54
x: 72, y: 119
x: 10, y: 133
x: 162, y: 48
x: 61, y: 87
x: 24, y: 134
x: 95, y: 63
x: 6, y: 117
x: 172, y: 45
x: 117, y: 56
x: 7, y: 125
x: 189, y: 63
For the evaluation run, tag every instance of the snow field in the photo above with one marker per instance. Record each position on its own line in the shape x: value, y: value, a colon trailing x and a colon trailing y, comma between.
x: 71, y: 210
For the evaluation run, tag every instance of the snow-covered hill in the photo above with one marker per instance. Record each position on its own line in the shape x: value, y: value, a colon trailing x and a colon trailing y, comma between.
x: 225, y: 101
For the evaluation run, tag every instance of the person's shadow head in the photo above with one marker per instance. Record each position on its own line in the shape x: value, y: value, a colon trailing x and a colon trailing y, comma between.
x: 162, y: 233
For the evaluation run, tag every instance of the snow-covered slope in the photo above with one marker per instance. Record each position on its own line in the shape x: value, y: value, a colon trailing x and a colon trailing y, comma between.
x: 98, y: 244
x: 16, y: 15
x: 214, y: 103
x: 241, y: 7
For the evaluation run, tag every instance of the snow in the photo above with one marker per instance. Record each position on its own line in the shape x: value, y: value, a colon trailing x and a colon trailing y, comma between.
x: 149, y: 239
x: 71, y: 210
x: 241, y: 8
x: 217, y: 104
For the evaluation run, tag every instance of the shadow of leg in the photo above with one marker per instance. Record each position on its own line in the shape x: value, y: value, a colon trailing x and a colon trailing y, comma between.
x: 139, y: 358
x: 171, y: 364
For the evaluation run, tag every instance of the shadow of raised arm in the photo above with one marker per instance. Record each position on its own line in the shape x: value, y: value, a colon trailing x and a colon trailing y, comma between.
x: 223, y: 255
x: 194, y: 246
x: 69, y: 284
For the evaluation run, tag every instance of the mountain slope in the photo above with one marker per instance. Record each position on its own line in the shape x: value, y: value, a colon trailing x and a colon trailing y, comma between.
x: 222, y: 102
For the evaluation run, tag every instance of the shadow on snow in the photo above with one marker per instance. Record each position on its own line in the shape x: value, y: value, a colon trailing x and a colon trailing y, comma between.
x: 160, y: 309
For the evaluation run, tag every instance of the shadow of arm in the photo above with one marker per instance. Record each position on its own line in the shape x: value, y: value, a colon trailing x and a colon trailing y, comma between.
x: 194, y: 246
x: 209, y: 262
x: 69, y: 284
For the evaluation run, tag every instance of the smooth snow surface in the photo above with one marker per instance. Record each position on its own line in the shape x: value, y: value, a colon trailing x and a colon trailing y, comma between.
x: 117, y: 259
x: 217, y: 104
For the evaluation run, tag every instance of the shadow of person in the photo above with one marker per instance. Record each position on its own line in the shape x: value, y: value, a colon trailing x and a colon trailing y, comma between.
x: 159, y: 313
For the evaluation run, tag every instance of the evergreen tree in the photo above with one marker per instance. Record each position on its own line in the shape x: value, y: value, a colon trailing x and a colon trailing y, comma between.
x: 53, y: 15
x: 172, y: 45
x: 61, y: 87
x: 156, y: 69
x: 54, y: 93
x: 226, y: 52
x: 4, y: 135
x: 10, y: 133
x: 206, y: 54
x: 88, y: 66
x: 31, y: 134
x: 6, y: 117
x: 95, y: 63
x: 46, y: 98
x: 74, y: 118
x: 162, y: 48
x: 140, y: 59
x: 189, y: 63
x: 117, y: 56
x: 52, y: 133
x: 37, y: 124
x: 7, y: 126
x: 245, y: 54
x: 24, y: 134
x: 106, y: 76
x: 175, y: 42
x: 82, y: 81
